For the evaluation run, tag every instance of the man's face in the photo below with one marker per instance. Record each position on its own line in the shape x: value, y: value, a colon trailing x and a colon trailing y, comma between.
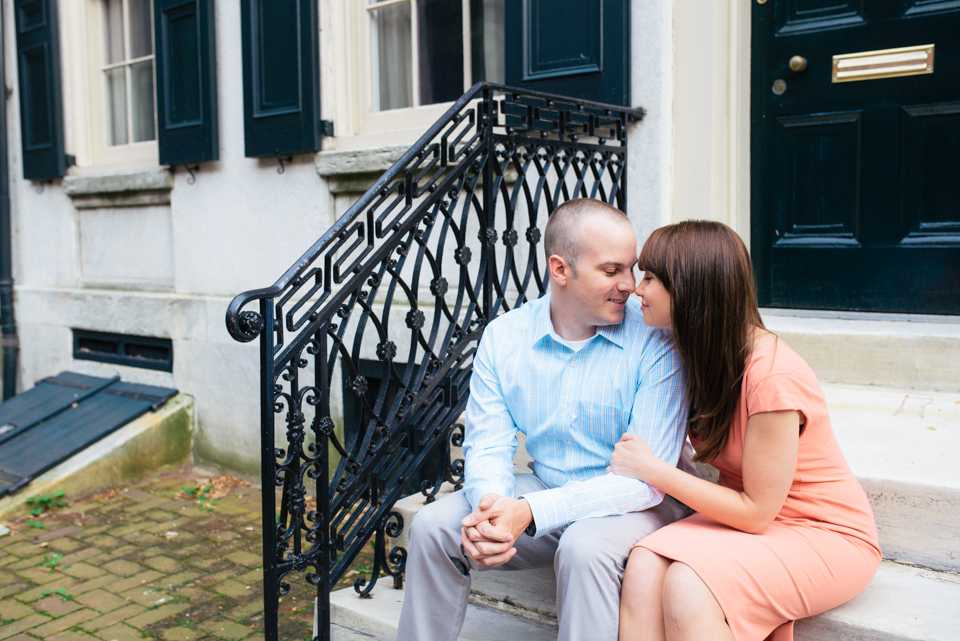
x: 604, y: 274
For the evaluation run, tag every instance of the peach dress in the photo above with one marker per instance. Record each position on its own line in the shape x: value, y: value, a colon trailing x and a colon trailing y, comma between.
x: 820, y: 551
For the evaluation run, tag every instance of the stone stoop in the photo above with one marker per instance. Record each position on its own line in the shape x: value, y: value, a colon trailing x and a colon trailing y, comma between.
x: 900, y: 443
x: 901, y: 604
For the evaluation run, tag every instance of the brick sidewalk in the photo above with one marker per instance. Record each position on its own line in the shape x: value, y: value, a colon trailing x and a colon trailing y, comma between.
x: 148, y: 561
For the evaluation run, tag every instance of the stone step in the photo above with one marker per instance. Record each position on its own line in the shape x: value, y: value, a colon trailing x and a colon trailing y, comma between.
x: 356, y: 619
x: 888, y: 350
x: 902, y: 445
x: 901, y: 604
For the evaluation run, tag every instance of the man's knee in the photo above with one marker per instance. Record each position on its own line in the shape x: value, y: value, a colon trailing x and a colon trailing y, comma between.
x: 435, y: 523
x: 582, y: 548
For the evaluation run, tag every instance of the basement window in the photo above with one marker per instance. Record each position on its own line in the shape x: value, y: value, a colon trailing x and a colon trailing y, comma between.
x: 120, y: 349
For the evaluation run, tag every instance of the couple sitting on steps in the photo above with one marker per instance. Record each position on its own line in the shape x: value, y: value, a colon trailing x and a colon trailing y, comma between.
x: 606, y: 391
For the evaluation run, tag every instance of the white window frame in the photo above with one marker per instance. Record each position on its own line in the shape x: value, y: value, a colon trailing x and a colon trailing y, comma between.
x: 348, y: 70
x: 85, y: 115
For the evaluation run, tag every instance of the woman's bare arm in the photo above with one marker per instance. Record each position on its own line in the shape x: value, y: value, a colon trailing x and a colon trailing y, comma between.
x: 769, y: 463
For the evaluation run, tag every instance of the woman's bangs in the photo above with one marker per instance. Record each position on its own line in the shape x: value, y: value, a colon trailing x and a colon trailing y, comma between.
x: 653, y: 256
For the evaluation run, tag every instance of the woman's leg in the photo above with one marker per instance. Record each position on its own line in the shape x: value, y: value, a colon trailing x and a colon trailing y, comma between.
x: 641, y: 612
x: 690, y: 611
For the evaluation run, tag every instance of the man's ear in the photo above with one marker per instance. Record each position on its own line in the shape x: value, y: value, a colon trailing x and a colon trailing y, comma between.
x: 560, y: 270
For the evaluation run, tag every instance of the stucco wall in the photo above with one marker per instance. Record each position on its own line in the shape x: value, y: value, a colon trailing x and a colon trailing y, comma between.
x: 169, y: 270
x: 170, y: 267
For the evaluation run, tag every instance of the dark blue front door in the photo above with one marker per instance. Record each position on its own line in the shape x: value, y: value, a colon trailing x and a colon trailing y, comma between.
x: 856, y: 160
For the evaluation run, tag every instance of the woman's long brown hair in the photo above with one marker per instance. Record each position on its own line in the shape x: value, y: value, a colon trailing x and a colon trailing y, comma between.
x: 706, y: 269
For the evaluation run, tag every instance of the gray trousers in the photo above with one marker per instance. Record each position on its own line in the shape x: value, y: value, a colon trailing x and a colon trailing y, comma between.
x: 589, y: 557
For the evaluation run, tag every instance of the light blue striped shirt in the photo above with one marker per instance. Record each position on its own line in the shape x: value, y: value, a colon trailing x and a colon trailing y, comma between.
x: 573, y: 408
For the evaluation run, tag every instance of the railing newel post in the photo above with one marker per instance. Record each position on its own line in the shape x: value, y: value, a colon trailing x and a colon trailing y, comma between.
x: 268, y: 472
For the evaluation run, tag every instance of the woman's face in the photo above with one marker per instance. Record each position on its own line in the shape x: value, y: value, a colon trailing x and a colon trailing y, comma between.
x: 656, y: 304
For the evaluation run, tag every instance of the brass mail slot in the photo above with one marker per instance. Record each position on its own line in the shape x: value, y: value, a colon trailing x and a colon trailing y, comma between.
x: 884, y: 63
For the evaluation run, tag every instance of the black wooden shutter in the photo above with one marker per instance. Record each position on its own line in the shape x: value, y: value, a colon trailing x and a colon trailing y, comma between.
x: 578, y: 48
x: 41, y: 107
x: 281, y: 77
x: 186, y: 81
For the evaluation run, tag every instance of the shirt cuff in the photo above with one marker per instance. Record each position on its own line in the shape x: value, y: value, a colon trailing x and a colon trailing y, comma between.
x: 549, y: 510
x: 474, y: 494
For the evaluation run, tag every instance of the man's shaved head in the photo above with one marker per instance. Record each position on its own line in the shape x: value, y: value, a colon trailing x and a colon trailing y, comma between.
x: 566, y: 227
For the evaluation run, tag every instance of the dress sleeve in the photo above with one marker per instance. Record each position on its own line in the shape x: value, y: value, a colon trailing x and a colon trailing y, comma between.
x: 777, y: 392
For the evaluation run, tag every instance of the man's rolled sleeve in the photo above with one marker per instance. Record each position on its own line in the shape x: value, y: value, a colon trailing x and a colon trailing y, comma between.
x: 490, y: 434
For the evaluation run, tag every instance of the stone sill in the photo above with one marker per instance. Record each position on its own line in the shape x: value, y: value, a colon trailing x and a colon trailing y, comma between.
x: 354, y: 171
x: 130, y: 189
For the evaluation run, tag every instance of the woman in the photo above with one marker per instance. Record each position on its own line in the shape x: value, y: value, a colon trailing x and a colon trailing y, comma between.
x: 788, y: 532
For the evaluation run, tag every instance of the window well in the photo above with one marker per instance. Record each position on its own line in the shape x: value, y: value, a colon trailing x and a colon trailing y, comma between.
x: 120, y: 349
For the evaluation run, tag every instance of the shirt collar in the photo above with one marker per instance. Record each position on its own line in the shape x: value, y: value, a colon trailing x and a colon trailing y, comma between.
x: 543, y: 326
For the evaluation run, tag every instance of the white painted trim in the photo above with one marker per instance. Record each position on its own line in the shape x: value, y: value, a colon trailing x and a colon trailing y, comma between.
x: 84, y: 109
x: 651, y: 151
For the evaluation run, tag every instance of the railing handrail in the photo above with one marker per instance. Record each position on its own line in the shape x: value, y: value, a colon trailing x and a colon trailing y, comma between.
x: 241, y: 300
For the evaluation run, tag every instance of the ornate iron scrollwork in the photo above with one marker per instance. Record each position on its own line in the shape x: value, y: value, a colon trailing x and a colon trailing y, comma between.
x: 406, y: 281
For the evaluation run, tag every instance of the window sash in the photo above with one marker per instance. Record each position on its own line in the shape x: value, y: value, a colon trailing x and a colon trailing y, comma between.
x: 126, y: 63
x: 372, y: 63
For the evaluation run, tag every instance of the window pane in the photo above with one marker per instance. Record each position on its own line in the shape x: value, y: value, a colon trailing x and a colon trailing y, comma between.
x: 440, y: 40
x: 113, y: 31
x: 116, y: 83
x: 392, y: 58
x: 141, y: 101
x: 141, y: 28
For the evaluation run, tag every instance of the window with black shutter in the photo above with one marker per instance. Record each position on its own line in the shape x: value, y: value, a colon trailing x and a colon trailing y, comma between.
x: 186, y: 81
x: 41, y: 110
x: 570, y: 47
x: 281, y: 77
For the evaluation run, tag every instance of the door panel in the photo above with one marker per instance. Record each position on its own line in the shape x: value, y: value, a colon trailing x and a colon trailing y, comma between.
x: 930, y: 170
x: 818, y: 207
x: 806, y: 15
x: 854, y: 191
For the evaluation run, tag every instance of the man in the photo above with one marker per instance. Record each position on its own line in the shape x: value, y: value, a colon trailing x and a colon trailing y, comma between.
x: 573, y: 371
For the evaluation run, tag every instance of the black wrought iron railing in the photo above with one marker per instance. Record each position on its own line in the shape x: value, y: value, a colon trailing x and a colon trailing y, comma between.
x: 404, y: 283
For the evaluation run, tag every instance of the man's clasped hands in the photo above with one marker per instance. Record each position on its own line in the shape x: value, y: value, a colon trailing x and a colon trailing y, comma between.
x: 489, y: 532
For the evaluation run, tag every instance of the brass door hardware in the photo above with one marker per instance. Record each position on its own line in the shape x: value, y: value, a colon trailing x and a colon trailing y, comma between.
x: 798, y: 63
x: 883, y: 63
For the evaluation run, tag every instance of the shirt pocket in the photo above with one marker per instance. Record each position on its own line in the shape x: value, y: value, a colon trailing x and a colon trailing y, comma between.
x: 601, y: 425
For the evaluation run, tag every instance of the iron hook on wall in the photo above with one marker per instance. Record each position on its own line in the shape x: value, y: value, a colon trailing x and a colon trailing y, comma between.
x: 192, y: 178
x: 280, y: 159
